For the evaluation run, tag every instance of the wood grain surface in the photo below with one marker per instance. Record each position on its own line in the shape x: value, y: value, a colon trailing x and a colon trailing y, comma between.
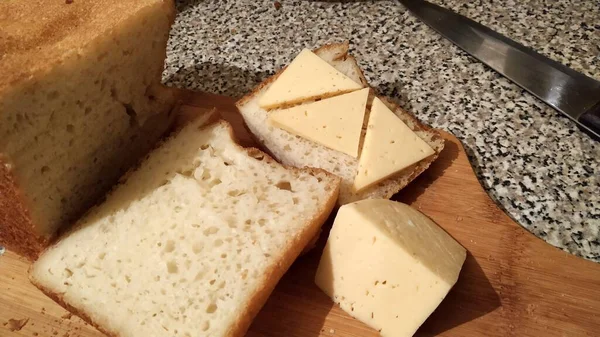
x: 512, y: 283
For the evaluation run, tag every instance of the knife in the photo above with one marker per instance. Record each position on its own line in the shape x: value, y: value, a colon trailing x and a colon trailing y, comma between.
x: 575, y: 95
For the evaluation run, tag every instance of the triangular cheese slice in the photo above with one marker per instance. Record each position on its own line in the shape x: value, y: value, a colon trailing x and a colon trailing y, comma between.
x: 334, y: 122
x: 389, y: 147
x: 307, y: 77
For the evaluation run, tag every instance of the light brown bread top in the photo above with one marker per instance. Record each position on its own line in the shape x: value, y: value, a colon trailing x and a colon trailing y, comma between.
x: 35, y: 35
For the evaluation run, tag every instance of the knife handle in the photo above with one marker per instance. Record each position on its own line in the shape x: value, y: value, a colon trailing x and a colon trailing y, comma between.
x: 591, y: 120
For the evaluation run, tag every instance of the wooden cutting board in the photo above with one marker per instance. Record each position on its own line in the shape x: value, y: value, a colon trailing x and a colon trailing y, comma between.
x: 512, y: 283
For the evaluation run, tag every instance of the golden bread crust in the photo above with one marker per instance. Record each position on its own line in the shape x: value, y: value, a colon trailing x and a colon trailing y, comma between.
x: 58, y: 298
x: 17, y: 232
x: 36, y: 35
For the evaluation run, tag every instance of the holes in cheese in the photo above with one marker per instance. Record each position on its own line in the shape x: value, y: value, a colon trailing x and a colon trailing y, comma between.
x: 389, y: 147
x: 333, y: 122
x: 307, y: 77
x: 388, y: 265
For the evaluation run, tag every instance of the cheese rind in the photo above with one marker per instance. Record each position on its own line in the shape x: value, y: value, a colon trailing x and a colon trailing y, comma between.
x: 389, y: 147
x: 388, y: 265
x: 307, y: 77
x: 334, y: 122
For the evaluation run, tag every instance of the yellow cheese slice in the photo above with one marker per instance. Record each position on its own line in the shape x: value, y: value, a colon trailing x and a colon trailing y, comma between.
x: 334, y: 122
x: 388, y: 265
x: 389, y: 147
x: 307, y: 77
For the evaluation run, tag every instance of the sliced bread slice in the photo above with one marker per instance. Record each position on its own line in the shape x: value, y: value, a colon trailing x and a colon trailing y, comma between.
x: 299, y: 152
x: 191, y: 243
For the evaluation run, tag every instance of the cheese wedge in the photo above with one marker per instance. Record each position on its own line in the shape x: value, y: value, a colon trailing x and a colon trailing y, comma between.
x: 388, y: 265
x: 334, y: 122
x: 307, y: 77
x: 389, y: 147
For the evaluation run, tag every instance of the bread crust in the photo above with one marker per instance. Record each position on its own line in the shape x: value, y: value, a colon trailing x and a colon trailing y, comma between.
x: 392, y: 185
x: 32, y: 51
x: 271, y: 276
x: 60, y: 301
x: 17, y: 231
x: 342, y: 50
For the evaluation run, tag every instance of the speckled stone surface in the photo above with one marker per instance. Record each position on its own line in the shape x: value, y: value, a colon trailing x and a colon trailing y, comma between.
x: 532, y: 161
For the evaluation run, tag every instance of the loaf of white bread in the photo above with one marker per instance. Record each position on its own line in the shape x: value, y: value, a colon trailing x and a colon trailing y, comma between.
x: 189, y: 244
x: 343, y: 76
x: 80, y: 101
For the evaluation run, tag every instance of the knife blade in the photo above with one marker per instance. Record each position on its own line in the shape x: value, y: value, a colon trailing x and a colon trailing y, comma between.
x: 575, y: 95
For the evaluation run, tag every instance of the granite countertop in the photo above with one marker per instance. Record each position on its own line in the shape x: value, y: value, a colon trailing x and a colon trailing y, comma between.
x: 535, y: 163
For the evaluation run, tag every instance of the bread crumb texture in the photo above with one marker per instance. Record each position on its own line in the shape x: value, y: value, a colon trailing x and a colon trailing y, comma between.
x: 185, y: 243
